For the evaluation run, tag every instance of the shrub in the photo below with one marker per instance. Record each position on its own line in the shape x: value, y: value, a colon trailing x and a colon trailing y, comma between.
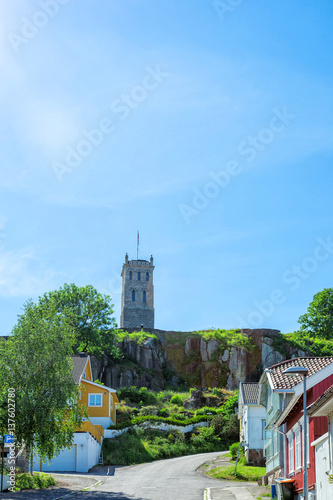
x: 205, y: 410
x: 148, y: 410
x: 164, y: 412
x: 154, y: 418
x: 227, y: 428
x: 175, y: 436
x: 38, y: 480
x: 134, y: 395
x: 179, y: 416
x: 228, y: 408
x: 233, y: 448
x: 176, y: 400
x: 205, y: 439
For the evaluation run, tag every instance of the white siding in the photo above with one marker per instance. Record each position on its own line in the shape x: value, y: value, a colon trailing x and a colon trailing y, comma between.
x: 80, y: 458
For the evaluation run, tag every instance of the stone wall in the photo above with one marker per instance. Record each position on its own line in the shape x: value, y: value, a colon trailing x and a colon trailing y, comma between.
x: 255, y: 458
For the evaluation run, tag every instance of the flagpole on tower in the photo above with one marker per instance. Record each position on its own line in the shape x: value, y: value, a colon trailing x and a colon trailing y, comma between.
x: 137, y: 248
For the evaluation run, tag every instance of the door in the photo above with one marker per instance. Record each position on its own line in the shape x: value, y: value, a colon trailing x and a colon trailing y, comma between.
x: 324, y: 489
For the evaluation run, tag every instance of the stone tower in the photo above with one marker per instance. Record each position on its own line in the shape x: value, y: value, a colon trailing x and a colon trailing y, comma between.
x: 137, y: 297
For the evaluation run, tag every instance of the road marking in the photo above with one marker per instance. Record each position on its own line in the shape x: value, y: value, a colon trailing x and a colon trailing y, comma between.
x: 207, y: 494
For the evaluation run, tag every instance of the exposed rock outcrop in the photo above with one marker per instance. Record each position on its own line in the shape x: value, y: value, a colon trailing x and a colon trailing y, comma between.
x: 178, y: 357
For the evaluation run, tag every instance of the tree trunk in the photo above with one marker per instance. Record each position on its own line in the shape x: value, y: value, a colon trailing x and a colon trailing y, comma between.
x: 22, y: 458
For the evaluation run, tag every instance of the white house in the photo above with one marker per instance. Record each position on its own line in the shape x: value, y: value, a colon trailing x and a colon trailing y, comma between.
x: 252, y: 416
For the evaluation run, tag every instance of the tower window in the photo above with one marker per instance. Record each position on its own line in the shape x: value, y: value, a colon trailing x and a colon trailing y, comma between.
x: 130, y: 275
x: 147, y: 276
x: 133, y: 295
x: 139, y: 276
x: 144, y: 296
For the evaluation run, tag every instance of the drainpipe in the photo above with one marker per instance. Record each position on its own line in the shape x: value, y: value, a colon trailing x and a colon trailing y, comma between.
x: 330, y: 440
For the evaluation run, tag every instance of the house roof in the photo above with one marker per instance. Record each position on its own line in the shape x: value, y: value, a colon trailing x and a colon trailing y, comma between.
x: 250, y: 392
x: 320, y: 406
x: 280, y: 381
x: 79, y: 362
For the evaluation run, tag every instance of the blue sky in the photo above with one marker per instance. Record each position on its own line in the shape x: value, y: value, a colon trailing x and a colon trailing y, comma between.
x: 206, y: 125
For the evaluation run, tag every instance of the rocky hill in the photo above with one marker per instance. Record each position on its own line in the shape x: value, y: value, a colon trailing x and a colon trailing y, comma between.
x: 198, y: 359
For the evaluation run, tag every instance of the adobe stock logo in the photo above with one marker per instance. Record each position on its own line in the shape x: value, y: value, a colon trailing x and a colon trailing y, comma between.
x: 293, y: 279
x: 31, y: 27
x: 247, y: 149
x: 121, y: 109
x: 224, y: 7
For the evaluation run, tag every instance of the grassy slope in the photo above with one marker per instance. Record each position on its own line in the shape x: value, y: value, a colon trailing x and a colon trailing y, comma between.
x: 139, y: 446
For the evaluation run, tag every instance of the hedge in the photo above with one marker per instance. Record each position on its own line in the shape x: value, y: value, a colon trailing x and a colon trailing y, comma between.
x: 166, y: 420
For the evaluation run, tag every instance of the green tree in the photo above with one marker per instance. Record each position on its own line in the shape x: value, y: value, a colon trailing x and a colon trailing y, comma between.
x: 318, y: 321
x: 38, y: 393
x: 89, y: 313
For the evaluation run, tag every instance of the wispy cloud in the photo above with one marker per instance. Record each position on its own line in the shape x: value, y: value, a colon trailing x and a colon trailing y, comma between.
x: 22, y: 274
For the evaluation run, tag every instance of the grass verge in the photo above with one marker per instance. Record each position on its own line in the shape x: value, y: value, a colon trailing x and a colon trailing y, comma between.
x: 244, y: 473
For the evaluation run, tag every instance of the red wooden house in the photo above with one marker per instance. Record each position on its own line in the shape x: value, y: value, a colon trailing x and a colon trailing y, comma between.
x: 292, y: 421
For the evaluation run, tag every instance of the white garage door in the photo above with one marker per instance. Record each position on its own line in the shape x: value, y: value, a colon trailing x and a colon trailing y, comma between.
x: 65, y: 461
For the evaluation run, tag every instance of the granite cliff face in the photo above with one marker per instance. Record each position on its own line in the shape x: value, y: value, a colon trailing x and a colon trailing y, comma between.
x: 178, y: 357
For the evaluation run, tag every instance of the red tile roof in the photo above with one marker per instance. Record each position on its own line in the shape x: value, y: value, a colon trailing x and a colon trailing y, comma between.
x: 281, y: 381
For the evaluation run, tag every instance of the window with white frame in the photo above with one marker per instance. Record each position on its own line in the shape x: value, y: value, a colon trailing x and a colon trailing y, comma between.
x: 307, y: 439
x: 95, y: 400
x: 291, y: 452
x: 298, y: 450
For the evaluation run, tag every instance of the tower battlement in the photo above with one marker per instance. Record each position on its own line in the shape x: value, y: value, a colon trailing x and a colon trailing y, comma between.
x: 137, y: 297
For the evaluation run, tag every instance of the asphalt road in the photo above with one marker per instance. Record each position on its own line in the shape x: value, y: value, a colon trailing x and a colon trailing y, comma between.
x: 173, y: 479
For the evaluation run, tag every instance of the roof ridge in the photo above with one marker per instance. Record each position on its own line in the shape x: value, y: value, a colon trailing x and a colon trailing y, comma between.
x: 301, y: 358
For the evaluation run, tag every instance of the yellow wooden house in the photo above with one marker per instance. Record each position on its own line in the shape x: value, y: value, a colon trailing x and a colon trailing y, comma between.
x: 100, y: 402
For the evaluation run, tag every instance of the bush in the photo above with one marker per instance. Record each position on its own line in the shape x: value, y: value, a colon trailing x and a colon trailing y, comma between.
x: 226, y: 428
x: 164, y: 412
x: 154, y: 418
x: 38, y: 480
x: 134, y: 395
x: 228, y: 408
x: 205, y: 440
x: 205, y: 410
x: 176, y: 400
x: 233, y: 448
x: 216, y: 391
x: 175, y: 436
x: 179, y: 416
x: 148, y: 410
